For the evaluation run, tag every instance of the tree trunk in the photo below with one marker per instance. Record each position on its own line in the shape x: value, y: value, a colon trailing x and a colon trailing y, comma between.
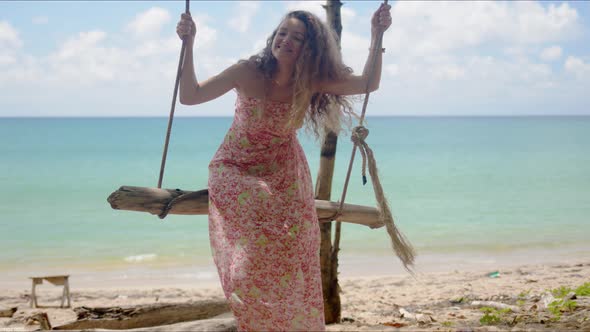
x: 329, y: 262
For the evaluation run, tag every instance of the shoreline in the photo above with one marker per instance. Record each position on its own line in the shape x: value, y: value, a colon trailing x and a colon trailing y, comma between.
x: 441, y: 300
x: 146, y: 275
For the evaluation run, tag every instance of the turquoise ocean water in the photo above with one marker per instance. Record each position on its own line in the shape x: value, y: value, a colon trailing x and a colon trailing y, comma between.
x: 483, y: 185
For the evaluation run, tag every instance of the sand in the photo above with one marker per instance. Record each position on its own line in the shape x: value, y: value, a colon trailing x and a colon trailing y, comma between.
x: 433, y: 301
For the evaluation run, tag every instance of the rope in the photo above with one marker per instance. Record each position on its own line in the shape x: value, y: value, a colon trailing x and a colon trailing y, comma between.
x: 166, y: 209
x: 173, y: 106
x: 401, y: 246
x: 359, y: 134
x: 179, y: 197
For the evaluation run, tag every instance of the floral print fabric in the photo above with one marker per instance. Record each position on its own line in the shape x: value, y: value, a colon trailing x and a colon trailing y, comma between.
x: 263, y: 225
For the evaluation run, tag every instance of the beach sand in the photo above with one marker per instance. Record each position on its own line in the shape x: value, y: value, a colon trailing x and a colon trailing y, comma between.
x: 433, y: 301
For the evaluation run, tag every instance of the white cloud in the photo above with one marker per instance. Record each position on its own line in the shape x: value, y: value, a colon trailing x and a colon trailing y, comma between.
x: 206, y: 35
x: 154, y: 47
x: 150, y: 22
x: 517, y: 52
x: 535, y: 23
x: 348, y: 16
x: 450, y: 72
x: 10, y: 44
x: 577, y: 66
x: 467, y: 74
x: 9, y: 36
x: 551, y: 53
x: 259, y: 45
x: 6, y: 59
x: 83, y: 43
x: 425, y: 28
x: 489, y: 51
x: 95, y: 68
x: 40, y: 20
x: 85, y: 59
x: 355, y: 50
x: 27, y: 69
x: 244, y: 12
x: 90, y: 57
x: 441, y: 58
x: 391, y: 69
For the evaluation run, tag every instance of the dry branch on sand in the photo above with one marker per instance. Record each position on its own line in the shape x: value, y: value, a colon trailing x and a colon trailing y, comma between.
x: 120, y: 318
x: 7, y: 312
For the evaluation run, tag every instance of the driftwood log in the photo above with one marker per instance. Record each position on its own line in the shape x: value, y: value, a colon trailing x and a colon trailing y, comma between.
x: 7, y: 312
x: 153, y: 200
x: 122, y: 318
x: 216, y: 324
x: 41, y: 318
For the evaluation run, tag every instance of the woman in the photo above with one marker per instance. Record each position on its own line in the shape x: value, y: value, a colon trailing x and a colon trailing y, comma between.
x: 263, y: 225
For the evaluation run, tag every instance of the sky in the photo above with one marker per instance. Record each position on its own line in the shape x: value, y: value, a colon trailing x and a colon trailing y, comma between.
x: 119, y: 58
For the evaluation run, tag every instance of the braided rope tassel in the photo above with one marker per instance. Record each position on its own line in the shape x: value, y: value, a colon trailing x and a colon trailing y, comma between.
x: 401, y: 246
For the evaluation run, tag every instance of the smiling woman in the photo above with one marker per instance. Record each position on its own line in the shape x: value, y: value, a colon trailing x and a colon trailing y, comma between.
x: 263, y: 225
x: 289, y: 40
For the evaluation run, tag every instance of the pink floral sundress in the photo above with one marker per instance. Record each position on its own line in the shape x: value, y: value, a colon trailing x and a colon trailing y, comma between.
x: 263, y: 226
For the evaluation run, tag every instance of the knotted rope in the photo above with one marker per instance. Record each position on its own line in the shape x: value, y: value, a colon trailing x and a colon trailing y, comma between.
x: 168, y: 206
x: 359, y: 134
x: 400, y: 244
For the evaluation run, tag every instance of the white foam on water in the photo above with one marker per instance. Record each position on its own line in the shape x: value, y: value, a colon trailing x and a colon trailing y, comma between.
x: 141, y: 258
x: 206, y: 275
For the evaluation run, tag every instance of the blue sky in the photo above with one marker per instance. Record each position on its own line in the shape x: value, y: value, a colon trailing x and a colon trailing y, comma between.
x: 114, y: 58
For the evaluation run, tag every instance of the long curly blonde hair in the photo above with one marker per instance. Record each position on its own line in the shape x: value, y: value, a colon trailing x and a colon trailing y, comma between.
x: 320, y: 60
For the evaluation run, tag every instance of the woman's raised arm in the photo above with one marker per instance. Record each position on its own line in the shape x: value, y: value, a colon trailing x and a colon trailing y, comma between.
x: 355, y: 84
x: 191, y: 92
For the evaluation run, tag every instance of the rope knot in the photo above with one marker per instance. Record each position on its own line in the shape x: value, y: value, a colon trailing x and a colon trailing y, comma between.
x: 359, y: 134
x: 401, y: 246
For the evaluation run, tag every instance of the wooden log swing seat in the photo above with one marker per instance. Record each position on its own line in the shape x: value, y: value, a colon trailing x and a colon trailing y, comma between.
x: 165, y: 201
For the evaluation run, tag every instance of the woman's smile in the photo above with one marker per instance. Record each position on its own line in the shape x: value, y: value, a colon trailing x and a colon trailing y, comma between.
x: 289, y: 38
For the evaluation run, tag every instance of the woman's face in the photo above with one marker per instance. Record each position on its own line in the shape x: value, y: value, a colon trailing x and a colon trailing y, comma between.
x: 288, y: 41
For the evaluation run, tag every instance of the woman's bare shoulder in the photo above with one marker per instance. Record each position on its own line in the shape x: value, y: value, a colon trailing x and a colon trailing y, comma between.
x: 246, y: 68
x: 248, y: 77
